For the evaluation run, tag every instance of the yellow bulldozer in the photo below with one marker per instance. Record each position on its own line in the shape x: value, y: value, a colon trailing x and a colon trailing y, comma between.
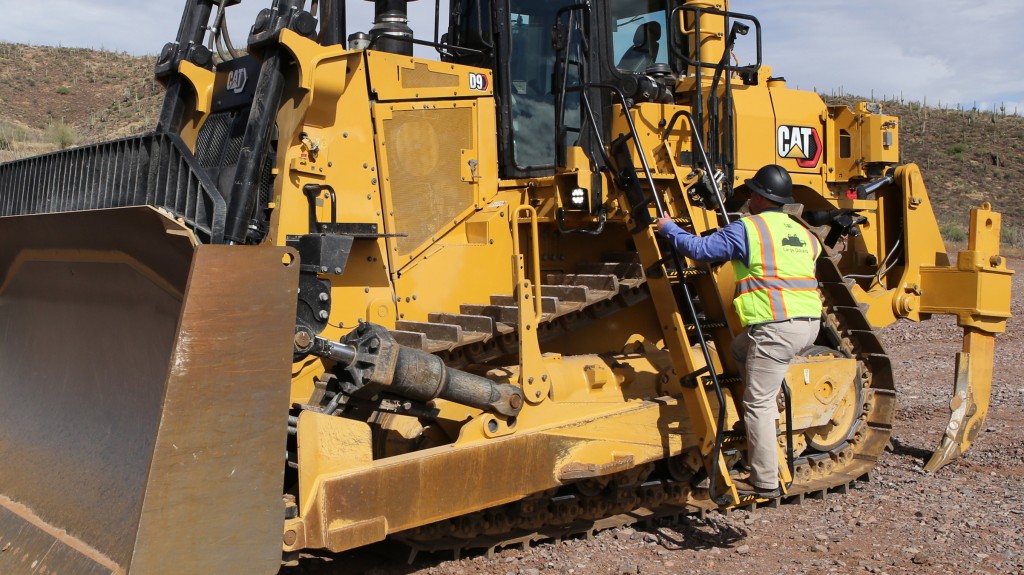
x: 344, y: 293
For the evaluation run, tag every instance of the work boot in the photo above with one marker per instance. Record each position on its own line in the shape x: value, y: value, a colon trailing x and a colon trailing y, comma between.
x: 746, y: 489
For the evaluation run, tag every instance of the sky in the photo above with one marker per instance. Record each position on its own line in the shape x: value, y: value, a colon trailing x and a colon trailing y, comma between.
x: 948, y: 51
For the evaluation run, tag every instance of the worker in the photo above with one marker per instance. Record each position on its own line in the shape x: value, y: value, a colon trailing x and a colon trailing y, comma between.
x: 777, y: 301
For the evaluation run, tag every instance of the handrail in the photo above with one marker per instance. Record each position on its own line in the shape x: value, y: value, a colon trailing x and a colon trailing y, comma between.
x: 535, y: 259
x: 703, y: 156
x: 687, y: 295
x: 636, y: 141
x: 698, y: 12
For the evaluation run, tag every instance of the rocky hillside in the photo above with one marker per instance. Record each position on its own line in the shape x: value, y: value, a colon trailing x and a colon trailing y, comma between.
x: 58, y: 97
x: 51, y: 98
x: 967, y: 157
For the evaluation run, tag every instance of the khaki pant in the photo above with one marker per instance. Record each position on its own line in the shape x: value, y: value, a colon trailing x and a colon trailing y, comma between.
x: 763, y: 352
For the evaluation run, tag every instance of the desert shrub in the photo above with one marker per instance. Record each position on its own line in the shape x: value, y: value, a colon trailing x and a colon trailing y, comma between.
x: 953, y: 232
x: 60, y: 134
x: 11, y: 135
x: 63, y: 90
x: 1011, y: 236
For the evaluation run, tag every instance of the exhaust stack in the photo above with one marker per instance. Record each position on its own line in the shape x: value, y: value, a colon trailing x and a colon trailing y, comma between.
x: 391, y: 31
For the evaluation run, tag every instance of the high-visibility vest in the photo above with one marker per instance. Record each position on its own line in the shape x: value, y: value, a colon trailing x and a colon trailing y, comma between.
x: 779, y: 283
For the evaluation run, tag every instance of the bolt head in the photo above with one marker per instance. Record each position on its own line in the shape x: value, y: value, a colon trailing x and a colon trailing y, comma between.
x: 303, y: 339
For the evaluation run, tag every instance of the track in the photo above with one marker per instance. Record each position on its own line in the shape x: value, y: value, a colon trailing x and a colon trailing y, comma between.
x: 487, y: 332
x: 660, y: 490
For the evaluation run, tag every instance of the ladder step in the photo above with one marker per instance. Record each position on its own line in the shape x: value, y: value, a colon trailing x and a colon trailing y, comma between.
x: 733, y: 438
x: 686, y: 273
x: 723, y: 379
x: 706, y: 326
x: 678, y: 220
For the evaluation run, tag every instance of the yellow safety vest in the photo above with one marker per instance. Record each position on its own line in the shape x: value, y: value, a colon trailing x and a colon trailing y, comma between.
x: 779, y: 283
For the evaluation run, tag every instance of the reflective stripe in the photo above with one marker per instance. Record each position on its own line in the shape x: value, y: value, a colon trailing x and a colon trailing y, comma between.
x: 778, y: 281
x: 753, y: 283
x: 768, y: 259
x: 778, y: 304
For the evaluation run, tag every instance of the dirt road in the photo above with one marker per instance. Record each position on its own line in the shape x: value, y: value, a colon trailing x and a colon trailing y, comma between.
x: 966, y: 518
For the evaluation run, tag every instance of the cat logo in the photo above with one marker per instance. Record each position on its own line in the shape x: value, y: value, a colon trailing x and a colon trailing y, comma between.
x: 793, y: 241
x: 800, y: 143
x: 237, y: 79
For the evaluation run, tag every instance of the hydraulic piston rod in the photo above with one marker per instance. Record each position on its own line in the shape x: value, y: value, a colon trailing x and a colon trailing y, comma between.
x: 369, y: 361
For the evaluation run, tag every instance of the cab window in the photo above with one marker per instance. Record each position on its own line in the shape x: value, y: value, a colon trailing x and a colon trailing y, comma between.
x: 639, y: 38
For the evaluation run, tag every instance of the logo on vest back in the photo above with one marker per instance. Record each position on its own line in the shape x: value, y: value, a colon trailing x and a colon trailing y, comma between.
x: 800, y: 143
x: 793, y: 241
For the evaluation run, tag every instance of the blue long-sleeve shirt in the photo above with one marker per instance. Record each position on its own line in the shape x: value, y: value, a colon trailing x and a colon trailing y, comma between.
x: 726, y: 244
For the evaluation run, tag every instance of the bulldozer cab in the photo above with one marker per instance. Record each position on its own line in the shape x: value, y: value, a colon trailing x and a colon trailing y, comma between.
x: 338, y: 284
x: 561, y: 66
x: 524, y: 43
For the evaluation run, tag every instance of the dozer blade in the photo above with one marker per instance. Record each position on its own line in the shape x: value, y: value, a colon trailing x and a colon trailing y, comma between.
x: 972, y: 389
x: 143, y: 397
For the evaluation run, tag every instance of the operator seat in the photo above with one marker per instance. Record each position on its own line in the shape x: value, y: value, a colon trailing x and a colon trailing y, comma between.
x: 644, y: 50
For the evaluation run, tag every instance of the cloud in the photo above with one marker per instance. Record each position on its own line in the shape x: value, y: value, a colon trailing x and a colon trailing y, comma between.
x: 934, y: 49
x: 119, y: 25
x: 944, y: 50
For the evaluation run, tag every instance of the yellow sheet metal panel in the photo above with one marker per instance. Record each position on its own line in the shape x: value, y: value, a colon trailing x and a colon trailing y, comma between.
x: 858, y: 137
x: 322, y: 149
x: 754, y: 135
x: 479, y: 248
x: 799, y: 134
x: 315, y: 149
x: 880, y: 140
x: 844, y: 150
x: 397, y: 77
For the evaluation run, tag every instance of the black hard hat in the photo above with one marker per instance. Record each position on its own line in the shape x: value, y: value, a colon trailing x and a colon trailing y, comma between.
x: 774, y: 183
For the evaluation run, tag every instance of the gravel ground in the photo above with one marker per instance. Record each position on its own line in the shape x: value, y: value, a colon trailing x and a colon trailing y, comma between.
x: 966, y: 518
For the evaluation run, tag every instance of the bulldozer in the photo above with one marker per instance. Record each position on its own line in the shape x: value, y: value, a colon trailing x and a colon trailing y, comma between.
x: 345, y: 293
